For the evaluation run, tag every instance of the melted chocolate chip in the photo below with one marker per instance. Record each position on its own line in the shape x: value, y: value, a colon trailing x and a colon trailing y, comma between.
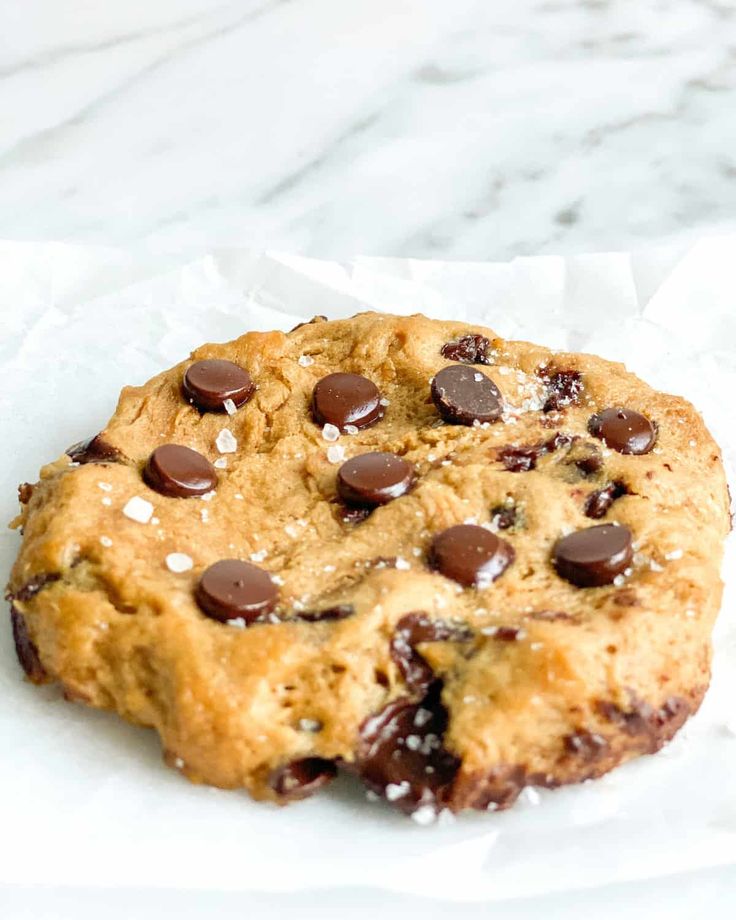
x: 470, y: 555
x: 624, y: 430
x: 338, y: 612
x: 401, y: 756
x: 302, y: 778
x: 346, y: 399
x: 594, y: 556
x: 598, y: 502
x: 564, y: 388
x: 25, y: 649
x: 590, y: 462
x: 374, y: 478
x: 589, y: 746
x: 522, y: 459
x: 413, y: 629
x: 504, y: 516
x: 508, y: 633
x: 352, y: 515
x: 93, y: 450
x: 469, y: 349
x: 231, y: 589
x: 494, y: 790
x: 35, y: 584
x: 25, y: 492
x: 210, y: 382
x: 641, y: 720
x: 463, y: 396
x: 179, y: 472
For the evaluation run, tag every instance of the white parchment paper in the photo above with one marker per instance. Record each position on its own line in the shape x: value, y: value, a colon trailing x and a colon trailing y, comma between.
x: 83, y: 797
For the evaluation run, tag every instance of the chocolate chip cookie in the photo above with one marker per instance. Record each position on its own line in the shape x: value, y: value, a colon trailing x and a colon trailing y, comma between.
x: 449, y: 564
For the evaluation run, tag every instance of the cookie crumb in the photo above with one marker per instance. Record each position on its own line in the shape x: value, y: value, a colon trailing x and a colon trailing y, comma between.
x: 138, y: 509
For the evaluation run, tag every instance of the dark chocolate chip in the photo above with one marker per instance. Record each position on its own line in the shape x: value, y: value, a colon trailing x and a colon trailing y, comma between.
x: 179, y: 472
x: 504, y: 516
x: 469, y: 349
x: 598, y: 502
x: 522, y: 459
x: 302, y: 778
x: 589, y: 464
x: 231, y: 589
x: 594, y: 556
x: 564, y: 388
x: 338, y: 612
x: 401, y: 755
x: 624, y: 430
x: 346, y: 399
x: 35, y: 584
x: 25, y: 492
x: 470, y: 555
x: 352, y: 515
x: 25, y: 649
x: 587, y: 745
x: 410, y: 631
x: 464, y: 395
x: 651, y: 726
x: 93, y: 450
x: 210, y: 382
x: 507, y: 633
x: 494, y: 790
x: 374, y: 478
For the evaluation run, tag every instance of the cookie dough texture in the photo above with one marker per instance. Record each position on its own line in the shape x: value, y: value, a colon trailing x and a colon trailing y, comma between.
x: 557, y: 684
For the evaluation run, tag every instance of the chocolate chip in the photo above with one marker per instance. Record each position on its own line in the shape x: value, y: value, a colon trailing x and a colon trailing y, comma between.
x: 469, y: 349
x: 584, y: 744
x: 25, y: 492
x: 302, y: 778
x: 338, y: 612
x: 210, y: 382
x: 522, y: 459
x: 179, y: 472
x: 351, y: 515
x: 346, y: 399
x: 410, y: 631
x: 470, y: 555
x: 564, y: 388
x: 594, y: 556
x: 463, y: 395
x: 231, y: 589
x: 495, y: 789
x: 25, y: 649
x: 401, y: 756
x: 507, y: 633
x: 598, y: 502
x: 93, y: 450
x: 504, y: 516
x: 34, y: 585
x: 651, y: 726
x: 623, y: 430
x: 374, y: 478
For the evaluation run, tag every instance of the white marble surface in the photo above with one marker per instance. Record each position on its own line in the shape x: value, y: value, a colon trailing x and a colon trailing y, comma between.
x: 432, y: 128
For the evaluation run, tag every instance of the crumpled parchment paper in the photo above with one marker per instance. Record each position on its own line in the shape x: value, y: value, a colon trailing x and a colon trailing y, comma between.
x: 84, y: 798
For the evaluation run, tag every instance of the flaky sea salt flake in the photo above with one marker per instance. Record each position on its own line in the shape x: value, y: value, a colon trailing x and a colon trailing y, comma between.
x: 138, y: 509
x: 330, y: 432
x: 305, y: 360
x: 335, y: 453
x: 424, y: 815
x: 106, y: 541
x: 179, y: 562
x: 225, y: 442
x: 230, y: 406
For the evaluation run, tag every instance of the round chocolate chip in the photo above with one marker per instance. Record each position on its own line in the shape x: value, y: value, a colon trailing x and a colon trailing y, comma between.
x: 464, y: 395
x: 179, y: 472
x: 400, y: 753
x: 594, y: 556
x: 470, y: 555
x: 624, y: 430
x: 231, y: 590
x: 374, y: 478
x: 346, y: 399
x: 302, y: 778
x: 209, y: 383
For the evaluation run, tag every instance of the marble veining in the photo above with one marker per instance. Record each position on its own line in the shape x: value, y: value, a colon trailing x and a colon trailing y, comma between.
x: 471, y: 129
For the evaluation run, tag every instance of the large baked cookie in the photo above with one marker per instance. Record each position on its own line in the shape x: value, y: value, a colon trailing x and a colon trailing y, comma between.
x: 451, y: 564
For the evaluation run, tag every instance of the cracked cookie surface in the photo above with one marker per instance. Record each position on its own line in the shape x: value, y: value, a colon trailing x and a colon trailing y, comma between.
x: 440, y: 619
